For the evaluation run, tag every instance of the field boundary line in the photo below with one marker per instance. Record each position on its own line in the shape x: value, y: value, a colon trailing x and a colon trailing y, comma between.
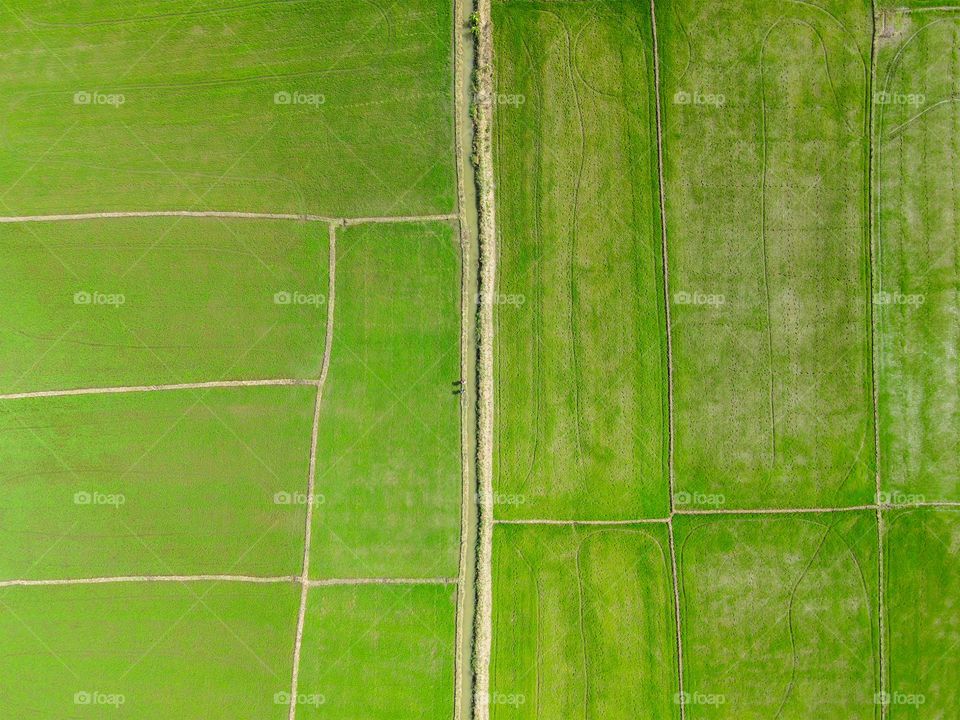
x: 312, y: 472
x: 225, y: 214
x: 665, y: 262
x: 158, y: 388
x: 334, y: 582
x: 873, y: 249
x: 662, y: 201
x: 483, y: 124
x: 256, y: 579
x: 582, y: 522
x: 774, y: 511
x: 681, y: 697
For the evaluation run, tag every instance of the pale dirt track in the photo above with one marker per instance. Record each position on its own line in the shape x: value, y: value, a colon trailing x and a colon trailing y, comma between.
x: 223, y: 214
x: 312, y: 472
x: 156, y: 388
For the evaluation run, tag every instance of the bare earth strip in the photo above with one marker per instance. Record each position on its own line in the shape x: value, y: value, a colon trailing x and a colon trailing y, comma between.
x: 156, y: 388
x: 225, y: 214
x: 488, y: 273
x: 152, y: 578
x: 311, y: 477
x: 580, y: 522
x: 333, y: 582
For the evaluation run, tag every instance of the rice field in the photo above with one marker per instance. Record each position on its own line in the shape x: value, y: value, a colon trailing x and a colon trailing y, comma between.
x: 581, y: 348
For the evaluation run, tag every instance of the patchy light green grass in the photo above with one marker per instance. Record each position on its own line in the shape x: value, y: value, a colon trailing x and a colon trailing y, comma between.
x: 766, y: 154
x: 160, y: 300
x: 388, y: 457
x: 917, y: 141
x: 779, y: 616
x: 581, y: 347
x: 368, y: 129
x: 922, y: 628
x: 583, y: 623
x: 164, y: 483
x: 383, y: 652
x: 198, y: 651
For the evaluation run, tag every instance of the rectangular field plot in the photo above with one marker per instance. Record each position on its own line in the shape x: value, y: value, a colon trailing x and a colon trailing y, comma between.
x: 377, y: 651
x: 765, y: 162
x: 160, y: 483
x: 917, y: 129
x: 580, y: 342
x: 922, y: 627
x: 583, y: 624
x: 160, y: 300
x: 150, y: 651
x: 334, y: 108
x: 388, y: 453
x: 779, y: 616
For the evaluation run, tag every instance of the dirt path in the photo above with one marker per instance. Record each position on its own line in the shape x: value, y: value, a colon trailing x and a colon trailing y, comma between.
x: 152, y: 578
x: 312, y: 472
x: 155, y: 388
x: 333, y: 582
x: 488, y: 274
x: 225, y: 214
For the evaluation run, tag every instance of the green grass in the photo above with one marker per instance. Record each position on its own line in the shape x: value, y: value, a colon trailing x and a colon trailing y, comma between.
x: 922, y: 627
x: 202, y: 651
x: 779, y: 616
x: 199, y: 127
x: 916, y: 145
x: 164, y: 483
x: 198, y: 302
x: 580, y: 344
x: 383, y: 652
x: 583, y: 623
x: 766, y: 147
x: 388, y: 455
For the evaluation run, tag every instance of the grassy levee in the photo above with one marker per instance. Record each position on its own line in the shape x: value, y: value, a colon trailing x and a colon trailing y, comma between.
x: 197, y: 651
x: 388, y: 453
x: 766, y: 154
x: 917, y: 141
x: 581, y: 379
x: 923, y: 630
x: 334, y: 108
x: 378, y: 652
x: 583, y: 623
x: 779, y: 616
x: 170, y: 483
x: 161, y: 300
